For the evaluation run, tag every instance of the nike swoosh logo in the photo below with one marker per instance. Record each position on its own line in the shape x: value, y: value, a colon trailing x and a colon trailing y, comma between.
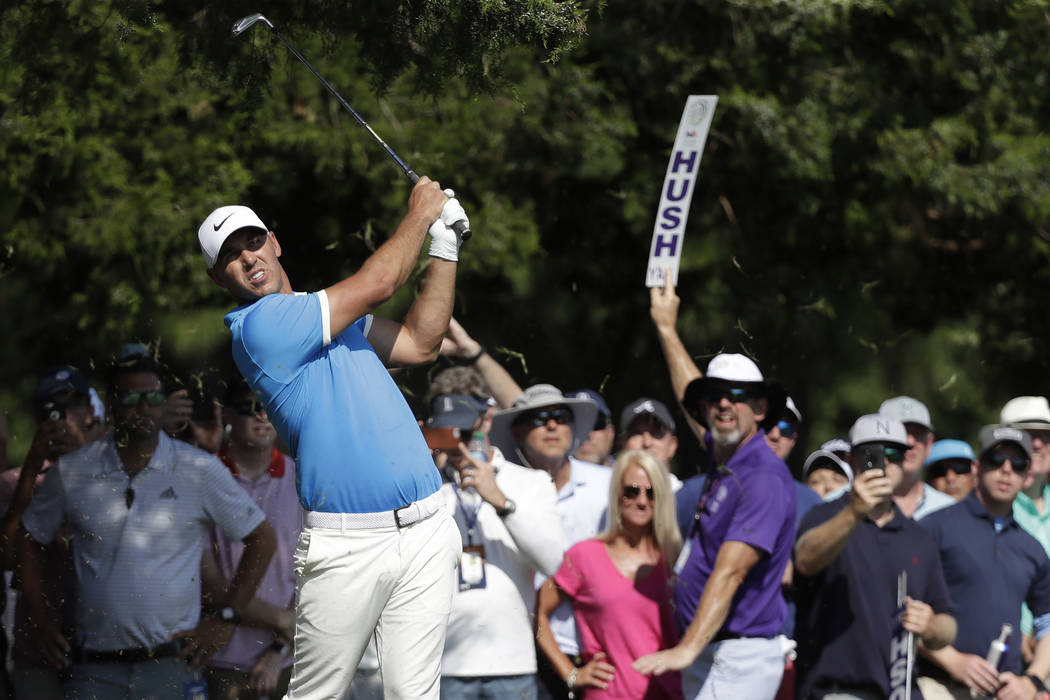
x: 219, y: 225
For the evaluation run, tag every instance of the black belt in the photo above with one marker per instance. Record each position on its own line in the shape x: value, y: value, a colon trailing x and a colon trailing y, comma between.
x: 133, y: 655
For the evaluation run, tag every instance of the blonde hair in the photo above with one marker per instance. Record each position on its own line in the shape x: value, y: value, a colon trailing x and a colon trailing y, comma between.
x: 664, y: 526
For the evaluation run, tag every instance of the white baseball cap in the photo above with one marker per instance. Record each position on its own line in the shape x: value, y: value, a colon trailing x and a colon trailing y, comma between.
x: 223, y: 223
x: 878, y: 427
x: 907, y: 410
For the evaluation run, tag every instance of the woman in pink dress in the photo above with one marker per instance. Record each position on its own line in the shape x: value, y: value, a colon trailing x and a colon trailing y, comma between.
x: 620, y: 586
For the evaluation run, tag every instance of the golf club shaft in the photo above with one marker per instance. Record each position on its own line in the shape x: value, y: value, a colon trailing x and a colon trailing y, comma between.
x: 460, y: 227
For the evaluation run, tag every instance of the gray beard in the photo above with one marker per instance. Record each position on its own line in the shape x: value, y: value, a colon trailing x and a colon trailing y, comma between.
x: 730, y: 439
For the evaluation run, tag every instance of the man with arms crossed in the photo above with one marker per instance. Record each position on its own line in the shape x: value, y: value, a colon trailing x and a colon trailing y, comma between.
x: 376, y: 533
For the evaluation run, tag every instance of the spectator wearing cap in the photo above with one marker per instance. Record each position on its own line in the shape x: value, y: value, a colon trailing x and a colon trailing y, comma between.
x: 949, y: 468
x: 508, y: 522
x: 647, y: 424
x: 597, y: 448
x: 916, y: 498
x: 848, y: 557
x: 991, y: 565
x: 1032, y: 507
x: 542, y: 429
x: 827, y: 474
x: 66, y: 420
x: 139, y: 504
x: 738, y: 549
x: 783, y: 435
x: 257, y: 661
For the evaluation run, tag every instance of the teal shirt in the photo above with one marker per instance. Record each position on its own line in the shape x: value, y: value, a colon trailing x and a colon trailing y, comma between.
x: 1036, y: 525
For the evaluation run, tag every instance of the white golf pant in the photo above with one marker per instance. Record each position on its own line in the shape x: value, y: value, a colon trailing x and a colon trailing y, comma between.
x: 749, y: 667
x: 395, y: 583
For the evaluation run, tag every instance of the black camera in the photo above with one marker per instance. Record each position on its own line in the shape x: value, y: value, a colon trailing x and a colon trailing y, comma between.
x: 52, y: 410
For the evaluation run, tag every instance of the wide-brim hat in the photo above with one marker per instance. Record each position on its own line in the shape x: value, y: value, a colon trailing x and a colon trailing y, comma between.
x: 1027, y: 413
x: 734, y: 368
x: 584, y: 412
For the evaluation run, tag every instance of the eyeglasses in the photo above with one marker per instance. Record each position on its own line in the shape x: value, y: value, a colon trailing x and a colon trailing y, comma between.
x: 601, y: 422
x: 540, y: 418
x: 129, y: 399
x: 940, y: 469
x: 631, y: 492
x: 736, y: 394
x: 894, y: 455
x: 252, y: 407
x: 787, y: 428
x: 1019, y: 465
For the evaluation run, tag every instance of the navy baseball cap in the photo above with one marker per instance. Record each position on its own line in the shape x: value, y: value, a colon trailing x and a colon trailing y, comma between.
x: 455, y: 411
x: 594, y: 396
x: 60, y: 378
x: 646, y: 407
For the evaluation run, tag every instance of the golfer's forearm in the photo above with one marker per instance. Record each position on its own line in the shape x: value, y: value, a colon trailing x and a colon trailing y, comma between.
x: 427, y: 319
x: 391, y: 265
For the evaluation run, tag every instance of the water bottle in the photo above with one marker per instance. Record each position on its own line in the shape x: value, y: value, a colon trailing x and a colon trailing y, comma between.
x: 477, y: 447
x: 995, y: 653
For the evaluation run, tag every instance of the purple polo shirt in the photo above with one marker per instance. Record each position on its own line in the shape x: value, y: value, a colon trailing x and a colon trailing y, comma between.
x: 274, y: 492
x: 750, y: 499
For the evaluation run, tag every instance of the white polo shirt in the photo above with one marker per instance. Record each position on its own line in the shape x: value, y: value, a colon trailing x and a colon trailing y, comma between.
x: 138, y: 567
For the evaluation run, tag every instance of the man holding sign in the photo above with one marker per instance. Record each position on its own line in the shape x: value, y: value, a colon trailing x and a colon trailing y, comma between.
x: 849, y: 558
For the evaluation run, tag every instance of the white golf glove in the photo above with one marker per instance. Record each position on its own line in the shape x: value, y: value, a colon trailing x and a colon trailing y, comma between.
x: 444, y: 242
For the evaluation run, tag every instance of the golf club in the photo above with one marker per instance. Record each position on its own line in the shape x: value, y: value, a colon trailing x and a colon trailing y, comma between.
x: 244, y: 23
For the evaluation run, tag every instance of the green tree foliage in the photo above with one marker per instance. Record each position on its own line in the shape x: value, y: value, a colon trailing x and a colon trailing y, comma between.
x: 871, y: 218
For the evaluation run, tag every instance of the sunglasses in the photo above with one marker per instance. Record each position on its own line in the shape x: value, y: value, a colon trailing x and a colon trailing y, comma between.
x: 736, y: 394
x: 601, y: 422
x: 631, y: 492
x: 941, y: 469
x: 787, y: 428
x: 252, y: 408
x: 894, y: 455
x: 1019, y: 465
x: 129, y: 399
x: 538, y: 419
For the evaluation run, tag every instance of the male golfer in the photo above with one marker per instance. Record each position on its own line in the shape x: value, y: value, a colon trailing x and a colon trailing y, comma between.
x: 378, y: 549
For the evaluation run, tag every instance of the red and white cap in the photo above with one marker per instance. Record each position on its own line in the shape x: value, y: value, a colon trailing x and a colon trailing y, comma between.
x: 223, y: 223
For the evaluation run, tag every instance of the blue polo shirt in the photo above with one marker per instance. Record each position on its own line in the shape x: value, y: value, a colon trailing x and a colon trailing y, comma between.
x: 989, y: 575
x: 356, y: 443
x: 752, y: 500
x: 847, y: 612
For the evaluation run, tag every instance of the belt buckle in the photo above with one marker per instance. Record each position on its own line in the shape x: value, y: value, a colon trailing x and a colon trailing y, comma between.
x: 397, y: 516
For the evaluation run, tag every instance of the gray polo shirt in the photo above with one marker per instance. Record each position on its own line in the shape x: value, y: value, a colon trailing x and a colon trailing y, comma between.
x: 138, y: 567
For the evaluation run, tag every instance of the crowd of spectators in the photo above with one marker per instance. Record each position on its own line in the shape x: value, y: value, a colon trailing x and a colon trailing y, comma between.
x: 150, y: 531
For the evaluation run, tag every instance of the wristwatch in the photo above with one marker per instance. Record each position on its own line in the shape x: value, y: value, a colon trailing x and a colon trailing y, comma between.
x: 508, y: 507
x: 228, y: 614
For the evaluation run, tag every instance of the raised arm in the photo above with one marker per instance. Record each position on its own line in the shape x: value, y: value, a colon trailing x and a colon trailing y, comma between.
x: 818, y: 547
x: 387, y: 269
x: 663, y: 309
x: 459, y: 343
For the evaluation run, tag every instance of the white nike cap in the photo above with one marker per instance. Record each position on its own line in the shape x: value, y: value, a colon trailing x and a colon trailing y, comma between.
x: 223, y: 223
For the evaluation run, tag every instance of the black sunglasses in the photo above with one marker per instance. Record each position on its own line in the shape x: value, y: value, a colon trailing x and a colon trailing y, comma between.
x: 941, y: 469
x: 129, y: 399
x: 894, y: 455
x: 736, y: 394
x: 251, y: 407
x: 601, y: 422
x: 537, y: 419
x: 631, y: 492
x: 1019, y: 465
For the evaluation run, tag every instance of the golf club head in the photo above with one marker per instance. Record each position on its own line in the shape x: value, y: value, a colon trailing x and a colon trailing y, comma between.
x: 246, y: 22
